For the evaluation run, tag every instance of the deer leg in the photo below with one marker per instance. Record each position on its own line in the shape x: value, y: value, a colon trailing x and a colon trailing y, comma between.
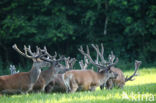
x: 30, y: 88
x: 49, y: 88
x: 109, y: 84
x: 74, y: 88
x: 102, y: 86
x: 86, y: 87
x: 43, y: 88
x: 93, y: 88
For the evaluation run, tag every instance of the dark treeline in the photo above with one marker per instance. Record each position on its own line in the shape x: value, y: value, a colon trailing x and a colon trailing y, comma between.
x: 127, y: 27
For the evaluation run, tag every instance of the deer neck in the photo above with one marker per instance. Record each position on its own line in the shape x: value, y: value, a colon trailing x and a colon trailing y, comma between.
x: 34, y: 74
x: 102, y: 78
x: 48, y: 74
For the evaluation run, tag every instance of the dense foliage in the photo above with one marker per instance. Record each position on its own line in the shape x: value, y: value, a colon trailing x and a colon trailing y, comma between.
x: 64, y: 25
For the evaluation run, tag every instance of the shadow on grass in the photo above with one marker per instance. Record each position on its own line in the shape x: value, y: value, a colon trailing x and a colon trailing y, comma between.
x: 99, y: 96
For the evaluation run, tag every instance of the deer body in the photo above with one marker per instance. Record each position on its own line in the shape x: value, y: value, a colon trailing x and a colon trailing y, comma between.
x: 23, y: 82
x: 44, y: 79
x: 8, y: 84
x: 88, y: 79
x: 48, y: 75
x: 57, y: 84
x: 85, y: 79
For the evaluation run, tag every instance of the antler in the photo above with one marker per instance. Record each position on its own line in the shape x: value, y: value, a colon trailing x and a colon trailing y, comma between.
x: 26, y: 51
x: 89, y: 57
x: 137, y: 65
x: 111, y: 57
x: 96, y: 47
x: 50, y: 56
x: 84, y: 64
x: 72, y: 61
x: 13, y: 69
x: 103, y: 63
x: 69, y: 62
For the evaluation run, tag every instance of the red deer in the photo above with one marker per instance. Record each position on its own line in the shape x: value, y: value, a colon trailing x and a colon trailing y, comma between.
x: 57, y: 84
x: 23, y: 82
x: 88, y: 79
x: 48, y: 75
x: 120, y: 80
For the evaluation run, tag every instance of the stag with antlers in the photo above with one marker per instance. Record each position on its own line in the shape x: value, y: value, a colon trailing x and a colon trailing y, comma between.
x: 48, y: 75
x: 23, y: 82
x: 120, y: 80
x: 57, y: 84
x: 89, y: 79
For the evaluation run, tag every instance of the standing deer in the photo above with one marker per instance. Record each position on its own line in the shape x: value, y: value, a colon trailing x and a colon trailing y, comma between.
x: 48, y: 75
x: 57, y: 84
x: 23, y: 82
x: 88, y: 79
x: 120, y: 80
x: 13, y: 69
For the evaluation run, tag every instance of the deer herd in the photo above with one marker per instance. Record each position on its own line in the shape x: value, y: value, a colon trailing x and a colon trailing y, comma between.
x: 61, y: 76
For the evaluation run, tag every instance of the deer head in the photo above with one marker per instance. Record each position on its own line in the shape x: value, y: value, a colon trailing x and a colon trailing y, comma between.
x: 103, y: 66
x: 34, y: 56
x: 55, y: 63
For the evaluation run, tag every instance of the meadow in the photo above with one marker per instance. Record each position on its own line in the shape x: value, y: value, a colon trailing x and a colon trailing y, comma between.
x: 141, y: 90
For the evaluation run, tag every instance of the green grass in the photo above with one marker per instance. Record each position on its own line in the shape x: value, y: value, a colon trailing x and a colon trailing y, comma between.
x: 143, y: 87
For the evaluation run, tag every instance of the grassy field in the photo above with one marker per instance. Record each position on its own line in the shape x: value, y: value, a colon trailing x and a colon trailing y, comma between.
x: 141, y: 90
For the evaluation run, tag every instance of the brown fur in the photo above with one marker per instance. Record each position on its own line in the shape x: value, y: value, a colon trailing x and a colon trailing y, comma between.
x: 119, y: 81
x: 57, y: 85
x: 15, y: 82
x: 44, y: 79
x: 22, y: 82
x: 85, y: 79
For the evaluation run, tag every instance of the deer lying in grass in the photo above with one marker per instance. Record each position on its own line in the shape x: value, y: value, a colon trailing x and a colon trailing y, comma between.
x: 88, y: 79
x: 48, y: 75
x: 23, y: 82
x: 57, y: 84
x: 120, y: 80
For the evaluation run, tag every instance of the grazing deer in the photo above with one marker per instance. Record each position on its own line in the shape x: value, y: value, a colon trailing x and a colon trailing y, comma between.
x: 89, y: 79
x: 23, y: 82
x: 48, y: 75
x: 13, y: 69
x: 57, y: 84
x: 120, y: 80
